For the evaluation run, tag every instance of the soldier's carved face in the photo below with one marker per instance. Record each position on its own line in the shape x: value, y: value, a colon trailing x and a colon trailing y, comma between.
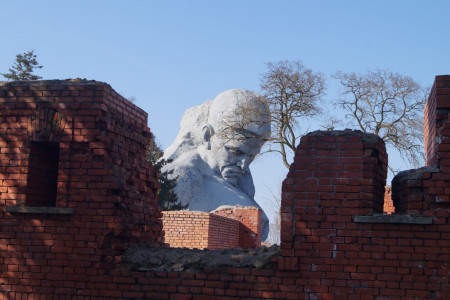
x: 231, y: 159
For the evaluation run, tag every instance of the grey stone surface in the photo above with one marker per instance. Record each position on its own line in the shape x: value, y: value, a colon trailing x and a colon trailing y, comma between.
x: 347, y: 132
x: 414, y: 174
x: 74, y: 81
x: 217, y: 142
x: 393, y: 219
x: 39, y: 210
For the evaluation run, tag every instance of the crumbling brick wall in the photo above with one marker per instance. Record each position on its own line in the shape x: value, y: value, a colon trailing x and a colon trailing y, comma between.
x: 426, y: 191
x: 75, y: 186
x: 334, y: 234
x: 335, y: 175
x: 336, y: 243
x: 436, y: 117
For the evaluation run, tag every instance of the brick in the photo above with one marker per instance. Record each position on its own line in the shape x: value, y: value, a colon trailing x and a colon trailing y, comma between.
x: 47, y: 247
x: 325, y: 255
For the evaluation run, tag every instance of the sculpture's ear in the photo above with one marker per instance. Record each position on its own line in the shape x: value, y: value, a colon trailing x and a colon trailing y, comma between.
x: 207, y: 132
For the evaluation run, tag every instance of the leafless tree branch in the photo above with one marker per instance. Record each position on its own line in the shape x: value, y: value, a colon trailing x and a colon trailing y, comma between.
x: 387, y: 104
x: 292, y: 92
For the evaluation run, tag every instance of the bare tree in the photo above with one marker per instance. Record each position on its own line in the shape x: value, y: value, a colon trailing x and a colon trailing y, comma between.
x: 275, y: 227
x: 389, y: 105
x: 331, y: 123
x: 248, y: 119
x: 274, y: 237
x: 292, y: 92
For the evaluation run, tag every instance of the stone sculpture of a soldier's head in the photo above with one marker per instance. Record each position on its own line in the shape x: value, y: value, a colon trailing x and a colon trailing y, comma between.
x: 227, y: 132
x: 214, y: 148
x: 237, y: 126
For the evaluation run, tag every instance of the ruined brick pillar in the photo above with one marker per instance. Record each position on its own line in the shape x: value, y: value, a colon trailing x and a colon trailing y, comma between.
x: 335, y: 175
x: 419, y: 191
x: 437, y: 123
x: 75, y: 184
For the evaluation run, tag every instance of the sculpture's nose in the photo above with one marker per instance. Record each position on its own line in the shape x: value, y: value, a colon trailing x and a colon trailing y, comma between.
x: 242, y: 161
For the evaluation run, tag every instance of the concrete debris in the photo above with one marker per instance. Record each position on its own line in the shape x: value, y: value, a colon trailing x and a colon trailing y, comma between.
x: 145, y: 258
x: 368, y: 137
x: 415, y: 174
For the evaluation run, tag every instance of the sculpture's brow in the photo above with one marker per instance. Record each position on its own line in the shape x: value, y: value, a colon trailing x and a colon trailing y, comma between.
x: 248, y: 133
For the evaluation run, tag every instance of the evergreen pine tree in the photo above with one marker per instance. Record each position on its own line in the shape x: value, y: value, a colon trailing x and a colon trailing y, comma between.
x: 23, y: 68
x: 168, y: 200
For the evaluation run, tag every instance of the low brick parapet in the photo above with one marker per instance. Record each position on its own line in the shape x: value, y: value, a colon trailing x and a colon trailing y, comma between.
x: 225, y: 227
x: 250, y: 223
x: 199, y: 230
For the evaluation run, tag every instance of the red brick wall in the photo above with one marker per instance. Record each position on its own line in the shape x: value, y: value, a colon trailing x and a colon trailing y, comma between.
x: 333, y: 237
x: 388, y: 207
x: 42, y: 175
x: 223, y: 233
x: 429, y: 128
x: 436, y: 128
x: 335, y: 242
x: 250, y: 224
x: 105, y: 195
x: 201, y: 230
x: 224, y: 228
x: 333, y: 177
x: 424, y: 190
x: 333, y: 255
x: 186, y: 229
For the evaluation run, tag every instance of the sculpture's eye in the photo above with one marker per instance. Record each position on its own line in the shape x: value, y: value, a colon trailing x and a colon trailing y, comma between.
x: 233, y: 151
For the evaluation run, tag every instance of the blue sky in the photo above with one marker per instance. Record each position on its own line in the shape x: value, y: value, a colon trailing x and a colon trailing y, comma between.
x: 172, y: 55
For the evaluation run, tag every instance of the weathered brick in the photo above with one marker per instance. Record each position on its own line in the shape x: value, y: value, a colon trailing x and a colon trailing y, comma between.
x: 325, y: 254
